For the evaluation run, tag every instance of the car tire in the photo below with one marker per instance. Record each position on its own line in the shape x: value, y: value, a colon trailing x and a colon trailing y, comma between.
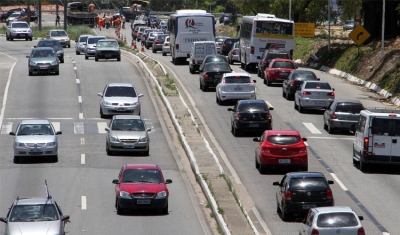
x: 54, y: 158
x: 69, y: 46
x: 16, y: 159
x: 288, y: 96
x: 102, y: 114
x: 77, y: 52
x: 330, y: 129
x: 164, y: 54
x: 119, y: 58
x: 96, y: 59
x: 283, y: 93
x: 62, y: 60
x: 120, y: 210
x: 267, y: 82
x: 109, y: 152
x: 30, y: 73
x: 255, y: 160
x: 191, y: 70
x: 11, y: 39
x: 7, y: 38
x: 285, y: 215
x: 86, y: 57
x: 154, y: 51
x: 295, y: 105
x: 301, y: 109
x: 201, y: 86
x: 219, y: 101
x: 26, y: 39
x: 262, y: 169
x: 355, y: 162
x: 164, y: 210
x: 304, y: 168
x: 363, y: 166
x: 241, y: 65
x: 58, y: 72
x: 235, y: 131
x: 258, y: 73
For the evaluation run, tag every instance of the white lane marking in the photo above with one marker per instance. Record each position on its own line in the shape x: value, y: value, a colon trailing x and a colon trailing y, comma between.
x: 3, y: 108
x: 78, y: 81
x: 330, y: 138
x: 6, y: 128
x: 78, y: 128
x: 83, y: 203
x: 56, y: 126
x: 82, y: 141
x: 339, y: 182
x: 311, y: 128
x: 75, y: 68
x: 101, y: 126
x: 83, y: 159
x: 37, y: 118
x: 80, y: 115
x: 385, y: 233
x: 80, y: 99
x: 262, y: 222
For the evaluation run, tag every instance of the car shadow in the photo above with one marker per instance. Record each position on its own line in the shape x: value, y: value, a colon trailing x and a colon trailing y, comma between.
x: 35, y: 160
x: 380, y: 169
x: 129, y: 154
x: 142, y: 212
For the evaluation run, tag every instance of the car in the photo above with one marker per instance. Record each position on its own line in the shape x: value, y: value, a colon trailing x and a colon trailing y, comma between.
x: 313, y: 95
x: 119, y: 98
x: 80, y: 44
x: 54, y: 44
x: 198, y: 52
x: 146, y: 33
x: 5, y: 15
x: 17, y: 16
x: 212, y: 74
x: 233, y: 55
x: 107, y: 49
x: 152, y: 21
x: 341, y: 114
x: 20, y: 30
x: 332, y: 220
x: 135, y: 27
x: 221, y: 19
x: 226, y: 45
x: 348, y: 24
x: 35, y: 138
x: 250, y: 115
x: 158, y: 42
x: 166, y: 47
x: 281, y: 149
x: 212, y: 58
x: 35, y: 215
x: 141, y: 186
x: 151, y: 37
x: 278, y: 70
x: 127, y: 133
x: 300, y: 191
x: 294, y: 80
x: 140, y: 32
x: 266, y: 58
x: 60, y: 35
x: 218, y: 42
x: 90, y: 49
x: 235, y: 86
x: 43, y: 60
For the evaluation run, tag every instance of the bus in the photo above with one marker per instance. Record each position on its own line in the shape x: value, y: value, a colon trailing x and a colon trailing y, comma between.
x: 263, y: 32
x: 186, y: 27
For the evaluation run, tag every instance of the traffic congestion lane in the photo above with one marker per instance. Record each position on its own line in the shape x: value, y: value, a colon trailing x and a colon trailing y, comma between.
x: 83, y: 161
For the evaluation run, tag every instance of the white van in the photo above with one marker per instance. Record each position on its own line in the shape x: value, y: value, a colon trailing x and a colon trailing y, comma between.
x: 198, y: 52
x: 377, y: 137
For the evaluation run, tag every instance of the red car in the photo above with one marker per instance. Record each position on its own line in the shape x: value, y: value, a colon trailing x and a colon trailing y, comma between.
x: 281, y: 148
x: 278, y: 70
x: 141, y: 186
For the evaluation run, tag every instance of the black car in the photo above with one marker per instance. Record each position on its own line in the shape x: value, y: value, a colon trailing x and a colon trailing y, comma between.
x: 294, y: 80
x: 300, y: 191
x: 250, y: 115
x: 212, y: 58
x: 54, y: 44
x: 227, y: 44
x: 267, y: 57
x: 212, y: 74
x: 158, y: 42
x: 152, y: 21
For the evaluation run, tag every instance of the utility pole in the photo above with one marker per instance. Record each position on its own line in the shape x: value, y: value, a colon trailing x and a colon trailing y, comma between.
x: 329, y: 25
x: 65, y: 15
x: 40, y: 15
x: 28, y: 12
x: 383, y: 29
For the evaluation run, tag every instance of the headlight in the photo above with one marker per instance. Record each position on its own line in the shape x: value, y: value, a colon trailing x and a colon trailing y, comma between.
x: 125, y: 194
x: 32, y: 63
x: 143, y: 139
x: 106, y: 103
x: 14, y: 31
x: 114, y: 139
x: 20, y: 144
x: 51, y: 144
x: 54, y: 62
x: 161, y: 194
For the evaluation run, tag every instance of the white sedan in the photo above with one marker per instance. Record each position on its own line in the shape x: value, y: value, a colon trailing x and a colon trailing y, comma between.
x: 313, y: 95
x: 235, y: 86
x: 165, y: 47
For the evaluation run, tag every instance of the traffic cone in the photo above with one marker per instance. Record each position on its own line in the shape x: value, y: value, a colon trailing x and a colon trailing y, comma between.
x: 134, y: 45
x: 142, y: 49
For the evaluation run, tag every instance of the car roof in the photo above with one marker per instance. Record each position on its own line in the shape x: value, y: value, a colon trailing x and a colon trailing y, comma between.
x: 107, y: 40
x: 305, y: 175
x: 236, y: 74
x: 120, y: 84
x: 42, y: 48
x: 281, y: 60
x: 57, y: 30
x: 214, y: 56
x: 252, y: 102
x: 48, y: 40
x: 86, y: 35
x: 141, y: 166
x: 334, y: 209
x: 347, y: 101
x: 302, y: 71
x: 32, y: 201
x: 283, y: 132
x: 97, y: 37
x: 37, y: 121
x: 119, y: 117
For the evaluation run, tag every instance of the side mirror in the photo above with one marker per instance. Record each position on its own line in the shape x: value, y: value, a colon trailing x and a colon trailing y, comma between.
x: 276, y: 183
x: 231, y: 109
x: 318, y: 79
x: 254, y: 81
x: 271, y: 108
x: 11, y: 133
x: 140, y: 95
x: 99, y: 94
x: 107, y: 129
x: 148, y: 129
x: 2, y: 219
x: 333, y: 89
x: 76, y: 40
x: 28, y: 56
x: 34, y: 46
x: 168, y: 181
x: 361, y: 217
x: 304, y: 139
x: 330, y: 182
x: 256, y: 139
x: 58, y: 132
x: 115, y: 181
x: 65, y: 217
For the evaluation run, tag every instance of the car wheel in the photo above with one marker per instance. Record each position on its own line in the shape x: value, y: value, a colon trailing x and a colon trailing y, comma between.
x: 236, y: 131
x: 77, y: 52
x: 287, y: 96
x: 147, y: 153
x: 241, y: 65
x: 278, y: 209
x: 102, y: 114
x: 262, y: 169
x: 164, y: 210
x: 295, y: 105
x: 69, y: 46
x: 164, y: 54
x: 11, y: 39
x: 354, y: 155
x: 191, y: 70
x: 258, y: 72
x: 96, y: 59
x: 283, y: 93
x: 257, y: 164
x: 285, y: 215
x: 30, y: 73
x: 219, y: 101
x: 62, y: 60
x: 201, y: 86
x: 120, y: 210
x: 154, y: 51
x: 55, y: 158
x: 267, y: 82
x: 109, y: 152
x: 16, y: 159
x: 301, y: 109
x: 363, y: 166
x: 119, y: 58
x: 330, y: 129
x: 7, y: 38
x: 58, y: 72
x: 304, y: 168
x: 86, y: 57
x: 26, y: 39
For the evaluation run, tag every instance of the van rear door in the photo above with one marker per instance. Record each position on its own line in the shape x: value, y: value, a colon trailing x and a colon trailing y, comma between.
x: 395, y: 153
x: 381, y: 138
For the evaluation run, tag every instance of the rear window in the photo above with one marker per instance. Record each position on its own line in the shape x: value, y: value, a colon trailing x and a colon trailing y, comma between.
x: 252, y: 107
x: 380, y: 126
x: 274, y: 56
x: 161, y: 36
x: 217, y: 67
x: 83, y: 39
x: 317, y: 85
x: 283, y: 140
x: 312, y: 184
x: 237, y: 79
x: 349, y: 108
x: 219, y: 39
x: 337, y: 219
x: 216, y: 59
x: 282, y: 64
x: 304, y: 76
x: 94, y: 40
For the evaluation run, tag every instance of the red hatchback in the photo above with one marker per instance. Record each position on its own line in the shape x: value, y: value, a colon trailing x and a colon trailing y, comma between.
x: 281, y: 148
x: 278, y: 70
x: 141, y: 186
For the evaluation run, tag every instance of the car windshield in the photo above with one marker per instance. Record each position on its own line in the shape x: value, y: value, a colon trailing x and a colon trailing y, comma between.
x: 304, y: 76
x: 142, y: 176
x: 43, y: 53
x: 32, y: 213
x: 49, y: 44
x: 349, y: 107
x: 238, y: 79
x: 312, y: 184
x: 83, y: 39
x: 107, y: 44
x: 349, y: 22
x: 94, y: 40
x: 217, y: 67
x: 20, y: 25
x: 58, y: 33
x: 128, y: 125
x: 252, y: 107
x: 337, y: 219
x: 35, y: 129
x: 161, y: 36
x: 283, y: 140
x: 120, y: 91
x: 318, y: 85
x: 282, y: 64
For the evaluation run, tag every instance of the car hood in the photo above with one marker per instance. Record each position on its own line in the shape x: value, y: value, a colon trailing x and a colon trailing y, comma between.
x: 120, y: 99
x: 35, y: 138
x: 128, y: 134
x: 142, y: 187
x: 43, y: 59
x: 34, y: 228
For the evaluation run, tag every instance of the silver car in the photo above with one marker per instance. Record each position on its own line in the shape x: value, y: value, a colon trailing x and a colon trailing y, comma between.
x: 90, y: 49
x: 235, y: 86
x: 34, y: 138
x: 341, y: 114
x: 127, y: 133
x: 18, y: 29
x: 313, y: 95
x: 43, y: 60
x: 81, y: 44
x: 332, y: 220
x: 233, y: 55
x: 60, y: 35
x: 119, y: 98
x: 166, y: 47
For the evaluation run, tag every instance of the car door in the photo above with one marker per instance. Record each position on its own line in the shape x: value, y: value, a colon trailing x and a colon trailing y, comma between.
x: 280, y: 193
x: 259, y: 145
x: 328, y: 112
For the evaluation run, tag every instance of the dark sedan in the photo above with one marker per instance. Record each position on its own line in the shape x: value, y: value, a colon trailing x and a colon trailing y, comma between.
x: 158, y: 42
x: 43, y: 60
x: 294, y: 80
x: 227, y: 45
x: 107, y: 49
x: 54, y: 44
x: 212, y: 58
x: 212, y: 74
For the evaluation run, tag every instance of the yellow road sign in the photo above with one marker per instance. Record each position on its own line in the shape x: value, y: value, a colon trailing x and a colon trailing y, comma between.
x: 305, y: 30
x: 359, y: 35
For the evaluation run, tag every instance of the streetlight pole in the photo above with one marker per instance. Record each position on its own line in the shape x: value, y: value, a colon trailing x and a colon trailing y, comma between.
x: 383, y: 30
x: 290, y: 9
x: 329, y: 25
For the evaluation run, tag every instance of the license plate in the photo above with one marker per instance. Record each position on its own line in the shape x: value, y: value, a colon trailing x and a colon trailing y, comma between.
x: 44, y: 67
x: 283, y: 74
x: 253, y: 125
x: 143, y: 202
x: 237, y: 88
x: 107, y: 55
x: 121, y: 109
x: 319, y: 102
x: 129, y: 146
x: 309, y: 206
x: 35, y: 150
x: 284, y: 161
x: 217, y: 76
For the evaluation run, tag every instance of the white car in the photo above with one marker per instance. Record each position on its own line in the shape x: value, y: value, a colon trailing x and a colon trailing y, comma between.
x: 60, y: 35
x: 165, y: 47
x: 313, y: 95
x: 235, y: 86
x: 332, y: 220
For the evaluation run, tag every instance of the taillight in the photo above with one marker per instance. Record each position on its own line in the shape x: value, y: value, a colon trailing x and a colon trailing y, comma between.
x: 265, y: 150
x: 264, y: 63
x: 252, y: 50
x: 329, y: 194
x: 361, y: 231
x: 224, y: 45
x: 333, y: 115
x: 288, y: 195
x: 206, y: 76
x: 234, y: 52
x: 292, y: 83
x: 306, y: 93
x: 157, y: 41
x: 267, y: 116
x: 331, y: 94
x: 314, y: 232
x: 303, y: 150
x: 165, y: 44
x: 239, y: 117
x: 177, y: 46
x: 366, y: 141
